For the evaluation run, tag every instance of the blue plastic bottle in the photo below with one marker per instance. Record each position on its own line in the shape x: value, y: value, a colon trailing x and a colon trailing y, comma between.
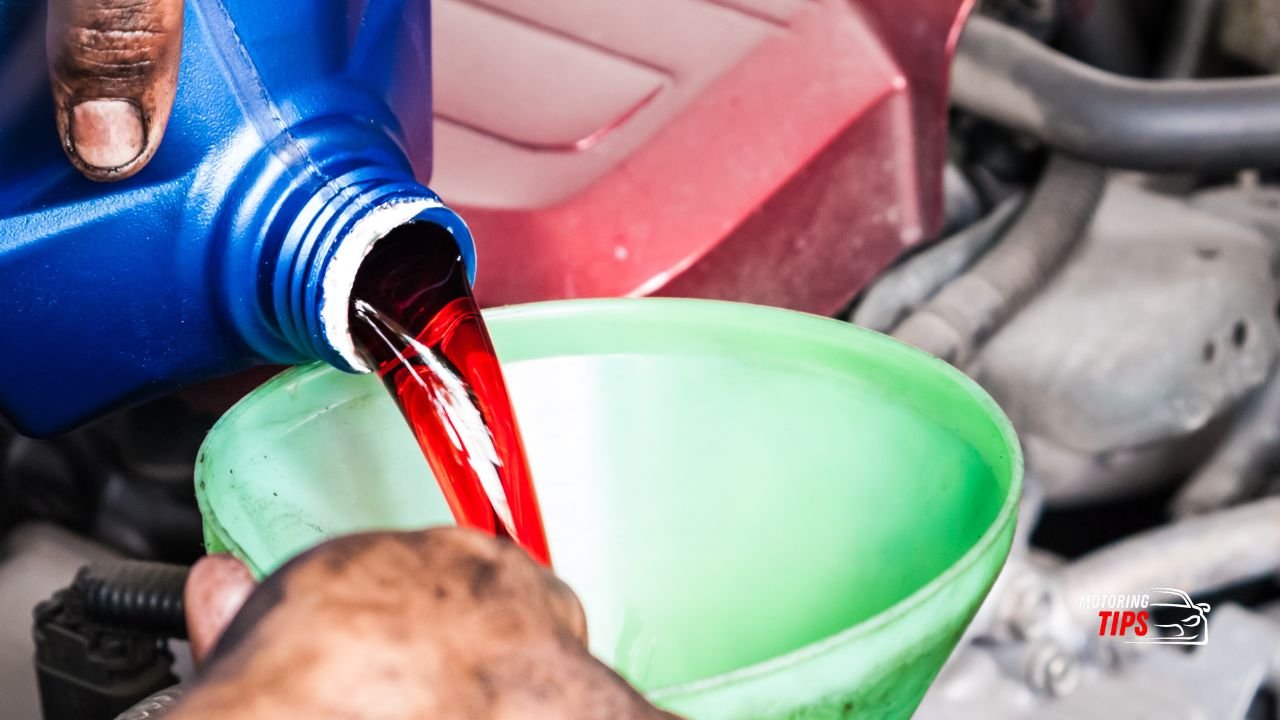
x: 285, y: 158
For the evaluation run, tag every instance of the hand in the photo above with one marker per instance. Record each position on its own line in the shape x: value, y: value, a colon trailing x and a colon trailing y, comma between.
x: 443, y: 624
x: 114, y: 68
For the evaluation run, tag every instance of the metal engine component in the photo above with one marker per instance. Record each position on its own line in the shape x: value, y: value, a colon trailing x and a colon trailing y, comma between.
x: 1035, y: 650
x: 1159, y: 325
x: 1147, y: 359
x: 1219, y: 681
x: 1240, y: 466
x: 1250, y: 31
x: 1203, y: 554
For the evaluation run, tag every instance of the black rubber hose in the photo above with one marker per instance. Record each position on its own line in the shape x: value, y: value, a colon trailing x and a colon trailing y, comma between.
x: 960, y: 317
x: 135, y: 595
x: 1156, y: 125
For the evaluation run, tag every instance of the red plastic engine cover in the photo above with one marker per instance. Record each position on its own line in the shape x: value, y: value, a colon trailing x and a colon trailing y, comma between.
x: 774, y: 151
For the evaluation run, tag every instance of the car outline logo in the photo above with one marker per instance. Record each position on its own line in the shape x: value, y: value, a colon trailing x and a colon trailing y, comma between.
x: 1193, y: 629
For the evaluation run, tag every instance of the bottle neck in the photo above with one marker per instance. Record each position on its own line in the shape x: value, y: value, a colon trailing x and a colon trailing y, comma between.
x: 315, y: 205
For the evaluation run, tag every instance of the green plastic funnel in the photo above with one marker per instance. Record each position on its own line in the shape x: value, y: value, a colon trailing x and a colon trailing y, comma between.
x: 766, y: 514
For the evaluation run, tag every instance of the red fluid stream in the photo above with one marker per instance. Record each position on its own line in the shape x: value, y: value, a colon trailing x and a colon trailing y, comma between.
x: 417, y: 324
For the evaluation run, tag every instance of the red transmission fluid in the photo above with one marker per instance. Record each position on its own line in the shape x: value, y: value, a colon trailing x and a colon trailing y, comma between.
x: 415, y: 320
x: 774, y: 151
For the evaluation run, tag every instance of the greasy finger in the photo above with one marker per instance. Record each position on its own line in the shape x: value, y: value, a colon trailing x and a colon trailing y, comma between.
x: 216, y: 589
x: 114, y: 68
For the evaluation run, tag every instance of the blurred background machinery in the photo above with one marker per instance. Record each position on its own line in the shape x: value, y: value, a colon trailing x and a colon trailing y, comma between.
x: 1091, y: 229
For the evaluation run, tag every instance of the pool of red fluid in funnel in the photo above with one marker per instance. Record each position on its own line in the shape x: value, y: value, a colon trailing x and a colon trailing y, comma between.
x: 415, y: 321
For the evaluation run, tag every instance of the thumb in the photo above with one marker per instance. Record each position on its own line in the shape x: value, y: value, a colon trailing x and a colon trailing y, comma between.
x: 217, y: 587
x: 114, y: 67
